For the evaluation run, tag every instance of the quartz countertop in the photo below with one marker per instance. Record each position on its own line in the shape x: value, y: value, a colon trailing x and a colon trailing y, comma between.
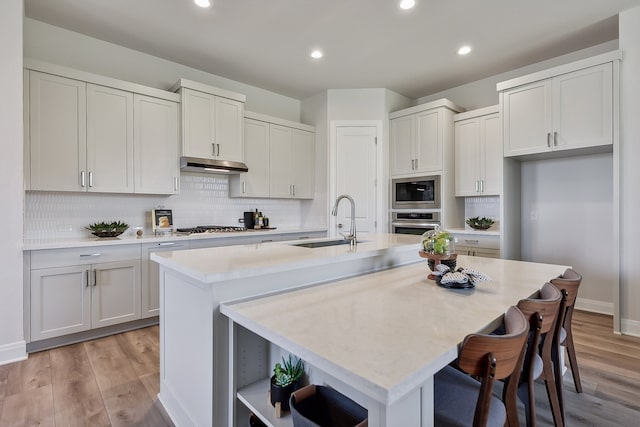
x: 211, y: 265
x: 130, y: 238
x: 386, y: 333
x: 468, y: 230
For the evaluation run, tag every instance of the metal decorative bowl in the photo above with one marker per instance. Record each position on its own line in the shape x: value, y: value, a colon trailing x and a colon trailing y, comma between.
x: 478, y: 223
x: 108, y: 229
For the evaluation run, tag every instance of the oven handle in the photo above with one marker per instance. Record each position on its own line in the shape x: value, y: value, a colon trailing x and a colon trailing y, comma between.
x: 414, y: 224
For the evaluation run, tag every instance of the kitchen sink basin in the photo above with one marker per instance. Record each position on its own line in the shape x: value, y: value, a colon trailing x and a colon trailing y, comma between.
x: 324, y: 243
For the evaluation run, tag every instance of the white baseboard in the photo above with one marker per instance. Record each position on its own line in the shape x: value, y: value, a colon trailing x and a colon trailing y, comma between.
x: 594, y: 306
x: 13, y: 352
x: 630, y: 327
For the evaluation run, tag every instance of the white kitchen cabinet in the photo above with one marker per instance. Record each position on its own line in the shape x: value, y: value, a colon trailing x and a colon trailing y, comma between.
x: 280, y: 155
x: 212, y: 122
x: 74, y: 290
x: 478, y: 152
x: 156, y: 145
x: 478, y: 245
x: 57, y: 128
x: 569, y: 111
x: 109, y: 140
x: 419, y: 136
x: 150, y: 275
x: 87, y: 136
x: 255, y: 182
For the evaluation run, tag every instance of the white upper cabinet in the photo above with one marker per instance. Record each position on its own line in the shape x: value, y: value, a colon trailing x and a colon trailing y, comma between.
x: 418, y: 138
x: 571, y: 110
x: 212, y: 122
x: 478, y: 152
x: 156, y: 145
x: 85, y: 136
x: 280, y: 156
x: 109, y: 140
x: 57, y: 128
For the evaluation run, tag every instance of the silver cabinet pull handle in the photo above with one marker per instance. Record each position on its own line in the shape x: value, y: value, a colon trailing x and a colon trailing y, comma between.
x: 95, y: 277
x: 82, y: 179
x: 91, y: 179
x: 555, y: 139
x: 87, y: 278
x: 244, y: 187
x: 549, y: 139
x: 213, y: 149
x: 218, y: 150
x: 412, y: 164
x: 477, y: 190
x: 293, y: 187
x: 175, y: 183
x: 482, y: 185
x: 166, y: 244
x: 90, y: 255
x: 416, y: 164
x: 472, y: 242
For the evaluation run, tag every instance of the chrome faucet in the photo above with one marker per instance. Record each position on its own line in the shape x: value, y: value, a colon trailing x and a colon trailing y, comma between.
x: 351, y: 237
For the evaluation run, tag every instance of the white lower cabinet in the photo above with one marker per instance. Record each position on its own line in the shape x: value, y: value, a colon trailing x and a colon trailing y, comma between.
x: 74, y: 290
x: 477, y: 245
x: 150, y: 275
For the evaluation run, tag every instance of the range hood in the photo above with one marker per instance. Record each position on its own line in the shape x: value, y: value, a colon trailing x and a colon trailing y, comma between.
x: 194, y: 164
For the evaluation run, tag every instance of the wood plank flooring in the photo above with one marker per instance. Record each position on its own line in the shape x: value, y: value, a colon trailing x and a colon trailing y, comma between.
x: 111, y: 381
x: 114, y: 381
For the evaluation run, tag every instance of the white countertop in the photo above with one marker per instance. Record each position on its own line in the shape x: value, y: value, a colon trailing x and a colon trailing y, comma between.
x: 211, y: 265
x: 468, y: 230
x: 388, y: 332
x: 130, y: 238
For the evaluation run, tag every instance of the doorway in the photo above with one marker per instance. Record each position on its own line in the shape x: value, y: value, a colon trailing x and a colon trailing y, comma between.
x: 356, y: 169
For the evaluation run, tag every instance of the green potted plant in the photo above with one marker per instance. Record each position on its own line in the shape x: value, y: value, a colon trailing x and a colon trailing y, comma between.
x: 287, y: 378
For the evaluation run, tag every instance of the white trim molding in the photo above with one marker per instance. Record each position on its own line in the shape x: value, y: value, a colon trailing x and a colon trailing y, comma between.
x: 13, y: 352
x: 630, y: 327
x: 594, y: 306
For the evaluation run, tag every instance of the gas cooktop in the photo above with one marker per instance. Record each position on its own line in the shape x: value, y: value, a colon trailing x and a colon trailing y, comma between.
x: 210, y: 229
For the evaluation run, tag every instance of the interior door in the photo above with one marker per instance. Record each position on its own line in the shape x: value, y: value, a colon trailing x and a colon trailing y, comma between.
x: 356, y: 176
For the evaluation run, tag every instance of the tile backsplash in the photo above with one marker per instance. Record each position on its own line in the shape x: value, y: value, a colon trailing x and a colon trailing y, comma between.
x: 487, y: 206
x: 203, y: 200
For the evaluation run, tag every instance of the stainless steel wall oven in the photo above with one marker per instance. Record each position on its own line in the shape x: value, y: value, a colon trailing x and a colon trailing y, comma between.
x: 416, y: 193
x: 414, y: 222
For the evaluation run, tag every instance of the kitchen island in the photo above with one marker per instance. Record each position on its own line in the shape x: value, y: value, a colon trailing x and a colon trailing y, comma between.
x: 377, y: 338
x: 194, y: 361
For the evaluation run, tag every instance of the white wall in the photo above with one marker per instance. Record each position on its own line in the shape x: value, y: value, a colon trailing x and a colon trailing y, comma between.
x: 482, y: 93
x: 566, y: 219
x: 629, y: 171
x: 12, y: 345
x: 59, y: 46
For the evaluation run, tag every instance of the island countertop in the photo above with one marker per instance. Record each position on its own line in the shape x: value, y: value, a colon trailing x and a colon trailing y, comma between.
x: 389, y: 332
x: 211, y: 265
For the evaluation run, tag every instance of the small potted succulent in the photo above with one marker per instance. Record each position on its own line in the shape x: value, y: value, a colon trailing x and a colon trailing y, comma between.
x: 478, y: 223
x: 108, y: 229
x: 287, y: 378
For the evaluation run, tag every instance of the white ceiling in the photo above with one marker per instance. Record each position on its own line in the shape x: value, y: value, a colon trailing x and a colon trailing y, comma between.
x: 367, y: 43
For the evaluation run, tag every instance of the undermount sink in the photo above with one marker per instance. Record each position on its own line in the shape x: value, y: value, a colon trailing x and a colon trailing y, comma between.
x: 324, y: 243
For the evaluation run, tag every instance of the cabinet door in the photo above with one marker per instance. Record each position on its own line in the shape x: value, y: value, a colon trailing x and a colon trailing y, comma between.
x: 527, y: 119
x: 198, y: 124
x: 151, y: 276
x: 583, y: 108
x: 303, y: 167
x: 491, y: 170
x: 57, y: 128
x: 228, y: 129
x: 156, y: 145
x: 468, y: 151
x: 429, y: 138
x: 109, y: 140
x: 115, y: 293
x: 60, y: 301
x: 280, y: 160
x: 254, y: 183
x: 402, y: 130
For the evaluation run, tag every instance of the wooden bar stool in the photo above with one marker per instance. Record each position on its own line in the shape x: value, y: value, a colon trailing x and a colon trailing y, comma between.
x: 542, y: 313
x: 461, y: 400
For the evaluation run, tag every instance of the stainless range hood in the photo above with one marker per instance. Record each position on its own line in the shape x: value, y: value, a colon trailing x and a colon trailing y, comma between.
x: 194, y: 164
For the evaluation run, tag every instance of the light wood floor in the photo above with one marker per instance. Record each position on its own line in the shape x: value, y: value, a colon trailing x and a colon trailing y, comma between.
x: 114, y: 381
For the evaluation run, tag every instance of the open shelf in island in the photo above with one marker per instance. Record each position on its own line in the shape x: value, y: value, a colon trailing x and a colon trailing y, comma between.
x: 255, y: 396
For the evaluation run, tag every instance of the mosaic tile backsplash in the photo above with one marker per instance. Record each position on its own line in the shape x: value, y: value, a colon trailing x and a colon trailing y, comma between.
x: 203, y: 200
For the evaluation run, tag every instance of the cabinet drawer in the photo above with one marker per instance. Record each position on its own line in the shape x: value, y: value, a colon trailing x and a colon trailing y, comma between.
x: 477, y: 241
x: 82, y: 256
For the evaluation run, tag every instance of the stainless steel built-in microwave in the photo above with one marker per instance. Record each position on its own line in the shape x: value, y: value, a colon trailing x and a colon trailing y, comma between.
x: 416, y: 193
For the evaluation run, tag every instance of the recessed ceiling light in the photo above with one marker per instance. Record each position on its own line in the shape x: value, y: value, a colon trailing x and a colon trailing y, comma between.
x: 464, y: 50
x: 407, y: 4
x: 316, y: 54
x: 202, y: 3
